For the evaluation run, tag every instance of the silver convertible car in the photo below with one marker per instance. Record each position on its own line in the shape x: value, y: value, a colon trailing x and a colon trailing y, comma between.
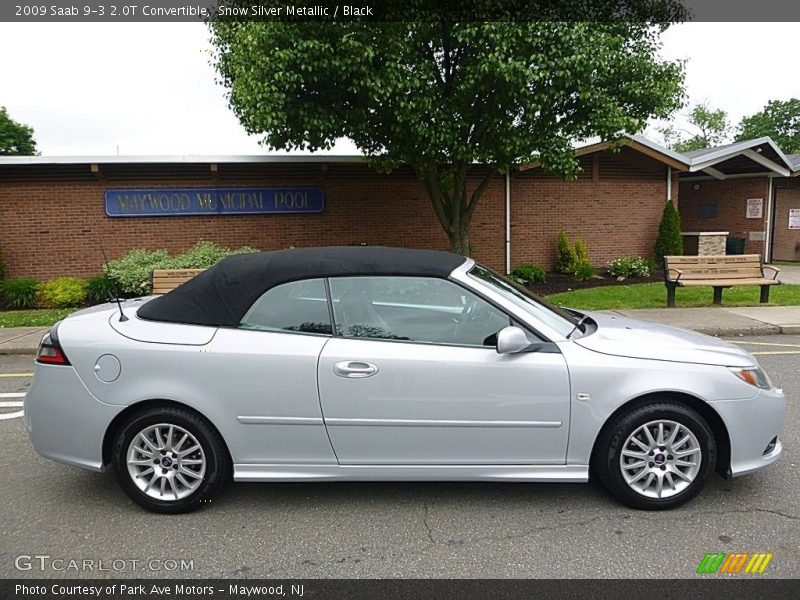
x: 375, y: 363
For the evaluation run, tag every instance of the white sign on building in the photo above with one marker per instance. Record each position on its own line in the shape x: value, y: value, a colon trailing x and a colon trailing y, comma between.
x: 794, y: 218
x: 755, y: 208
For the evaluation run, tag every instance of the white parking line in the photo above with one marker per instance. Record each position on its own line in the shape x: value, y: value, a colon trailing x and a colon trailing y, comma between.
x: 13, y: 415
x: 12, y: 395
x: 10, y: 404
x: 16, y: 374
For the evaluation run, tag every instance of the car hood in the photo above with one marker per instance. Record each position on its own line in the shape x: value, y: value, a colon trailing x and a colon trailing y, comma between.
x: 621, y: 336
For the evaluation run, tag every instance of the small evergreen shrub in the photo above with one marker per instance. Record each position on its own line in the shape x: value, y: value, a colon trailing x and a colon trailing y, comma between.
x: 99, y: 289
x: 565, y: 263
x: 63, y: 292
x: 19, y: 292
x: 527, y: 273
x: 669, y: 241
x: 629, y: 266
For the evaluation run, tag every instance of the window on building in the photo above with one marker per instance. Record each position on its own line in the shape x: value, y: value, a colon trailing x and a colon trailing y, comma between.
x: 299, y: 306
x: 707, y: 211
x: 417, y: 309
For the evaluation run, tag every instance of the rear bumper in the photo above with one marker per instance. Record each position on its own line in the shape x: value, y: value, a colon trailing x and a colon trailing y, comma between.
x: 752, y: 424
x: 65, y: 421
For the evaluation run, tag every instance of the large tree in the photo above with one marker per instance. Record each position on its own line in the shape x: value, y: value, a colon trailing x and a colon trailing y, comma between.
x: 16, y: 139
x: 709, y: 128
x: 445, y: 96
x: 780, y: 120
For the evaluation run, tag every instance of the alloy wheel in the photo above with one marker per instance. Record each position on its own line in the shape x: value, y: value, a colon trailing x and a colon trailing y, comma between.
x: 660, y: 459
x: 166, y: 462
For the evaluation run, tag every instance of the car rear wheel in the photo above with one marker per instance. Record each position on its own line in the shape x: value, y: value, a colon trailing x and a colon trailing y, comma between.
x: 657, y: 456
x: 170, y: 460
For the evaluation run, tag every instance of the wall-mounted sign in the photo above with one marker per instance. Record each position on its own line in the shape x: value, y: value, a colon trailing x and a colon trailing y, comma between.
x: 755, y: 208
x: 794, y: 218
x: 212, y: 201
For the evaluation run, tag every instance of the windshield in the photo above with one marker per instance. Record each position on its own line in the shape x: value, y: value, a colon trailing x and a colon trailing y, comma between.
x: 553, y: 316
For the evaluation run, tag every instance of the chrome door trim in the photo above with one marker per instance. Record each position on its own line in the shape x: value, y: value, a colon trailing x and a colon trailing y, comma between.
x: 437, y: 423
x: 259, y: 420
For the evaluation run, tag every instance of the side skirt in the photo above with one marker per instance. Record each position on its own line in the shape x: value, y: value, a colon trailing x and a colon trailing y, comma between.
x: 534, y: 473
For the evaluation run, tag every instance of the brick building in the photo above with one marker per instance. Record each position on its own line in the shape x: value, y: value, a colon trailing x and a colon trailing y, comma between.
x: 57, y: 212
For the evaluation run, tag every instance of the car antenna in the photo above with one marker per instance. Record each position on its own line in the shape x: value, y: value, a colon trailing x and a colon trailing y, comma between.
x: 122, y: 316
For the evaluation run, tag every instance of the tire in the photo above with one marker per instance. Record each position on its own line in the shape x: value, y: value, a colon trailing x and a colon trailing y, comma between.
x: 191, y: 478
x: 625, y: 478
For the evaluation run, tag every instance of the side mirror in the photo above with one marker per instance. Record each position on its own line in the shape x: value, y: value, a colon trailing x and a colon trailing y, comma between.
x: 512, y: 340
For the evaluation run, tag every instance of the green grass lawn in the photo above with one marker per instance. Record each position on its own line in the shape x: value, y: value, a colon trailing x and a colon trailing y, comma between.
x: 41, y: 317
x: 654, y: 295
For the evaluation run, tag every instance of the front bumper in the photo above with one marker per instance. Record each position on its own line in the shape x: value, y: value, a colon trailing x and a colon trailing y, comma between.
x: 64, y: 420
x: 752, y: 424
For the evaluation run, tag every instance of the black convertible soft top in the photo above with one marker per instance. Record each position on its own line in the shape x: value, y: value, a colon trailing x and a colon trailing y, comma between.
x: 221, y: 295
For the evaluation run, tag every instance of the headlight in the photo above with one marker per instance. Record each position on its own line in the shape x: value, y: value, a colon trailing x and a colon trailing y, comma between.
x: 755, y: 376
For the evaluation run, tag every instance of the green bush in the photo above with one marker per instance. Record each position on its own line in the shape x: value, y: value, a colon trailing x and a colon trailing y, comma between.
x: 204, y: 254
x: 581, y: 254
x: 99, y: 289
x: 131, y: 273
x: 669, y: 241
x: 63, y: 292
x: 629, y: 266
x: 20, y: 292
x: 565, y: 263
x: 527, y: 273
x: 583, y: 272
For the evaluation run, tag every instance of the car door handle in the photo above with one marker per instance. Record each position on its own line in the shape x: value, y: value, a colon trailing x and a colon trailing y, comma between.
x: 354, y: 369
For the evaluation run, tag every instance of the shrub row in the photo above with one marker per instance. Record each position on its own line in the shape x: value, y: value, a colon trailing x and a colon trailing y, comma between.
x: 131, y: 272
x: 64, y: 292
x: 130, y: 275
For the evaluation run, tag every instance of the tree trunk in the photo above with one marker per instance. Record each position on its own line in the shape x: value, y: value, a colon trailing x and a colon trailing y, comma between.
x: 454, y: 208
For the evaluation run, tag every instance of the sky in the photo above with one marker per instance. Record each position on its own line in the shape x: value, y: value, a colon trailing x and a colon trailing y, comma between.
x: 149, y: 88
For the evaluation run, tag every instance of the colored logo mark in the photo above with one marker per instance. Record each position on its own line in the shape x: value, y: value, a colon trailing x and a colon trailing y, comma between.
x: 735, y: 563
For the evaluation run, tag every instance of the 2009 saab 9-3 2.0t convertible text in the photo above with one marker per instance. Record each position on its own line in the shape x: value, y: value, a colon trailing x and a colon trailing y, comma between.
x: 390, y: 364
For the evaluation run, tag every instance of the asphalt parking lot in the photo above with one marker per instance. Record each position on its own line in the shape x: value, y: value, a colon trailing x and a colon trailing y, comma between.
x: 393, y: 529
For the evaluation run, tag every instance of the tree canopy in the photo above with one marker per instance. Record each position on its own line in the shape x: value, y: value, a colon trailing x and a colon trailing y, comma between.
x: 445, y: 97
x: 779, y: 120
x: 710, y: 125
x: 16, y: 139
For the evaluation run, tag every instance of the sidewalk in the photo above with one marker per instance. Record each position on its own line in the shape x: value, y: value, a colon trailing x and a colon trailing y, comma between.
x: 723, y: 321
x: 719, y: 320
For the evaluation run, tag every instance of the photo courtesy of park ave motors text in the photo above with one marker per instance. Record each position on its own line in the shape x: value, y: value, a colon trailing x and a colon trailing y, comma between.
x: 423, y: 301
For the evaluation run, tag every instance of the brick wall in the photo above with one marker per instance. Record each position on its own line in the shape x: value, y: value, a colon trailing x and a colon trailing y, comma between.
x: 730, y: 197
x: 52, y: 222
x: 615, y: 206
x: 51, y: 228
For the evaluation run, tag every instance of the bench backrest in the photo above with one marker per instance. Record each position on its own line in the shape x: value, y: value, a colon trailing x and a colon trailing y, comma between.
x: 738, y: 266
x: 166, y: 280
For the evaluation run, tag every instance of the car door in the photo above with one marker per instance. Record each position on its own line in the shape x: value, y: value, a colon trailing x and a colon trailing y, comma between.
x: 262, y: 376
x: 412, y: 377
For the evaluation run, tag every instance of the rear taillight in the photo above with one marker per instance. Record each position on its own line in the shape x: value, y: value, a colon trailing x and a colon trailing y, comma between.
x: 50, y: 352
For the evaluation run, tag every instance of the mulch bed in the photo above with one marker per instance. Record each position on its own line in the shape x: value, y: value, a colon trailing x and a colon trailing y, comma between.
x: 556, y: 282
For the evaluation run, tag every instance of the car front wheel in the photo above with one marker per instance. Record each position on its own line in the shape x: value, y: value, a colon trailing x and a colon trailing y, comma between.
x: 657, y: 456
x: 170, y: 460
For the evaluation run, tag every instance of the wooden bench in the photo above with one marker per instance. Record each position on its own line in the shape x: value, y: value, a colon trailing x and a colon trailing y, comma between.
x: 166, y: 280
x: 718, y: 272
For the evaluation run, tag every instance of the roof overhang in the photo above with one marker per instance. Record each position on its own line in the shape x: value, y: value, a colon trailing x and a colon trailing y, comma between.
x: 635, y: 142
x: 757, y: 157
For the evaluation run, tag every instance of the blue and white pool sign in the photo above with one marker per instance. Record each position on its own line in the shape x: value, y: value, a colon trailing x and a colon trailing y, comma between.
x: 212, y: 201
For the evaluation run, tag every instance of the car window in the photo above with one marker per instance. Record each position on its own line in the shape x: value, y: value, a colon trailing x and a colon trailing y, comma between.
x: 417, y: 309
x: 299, y: 306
